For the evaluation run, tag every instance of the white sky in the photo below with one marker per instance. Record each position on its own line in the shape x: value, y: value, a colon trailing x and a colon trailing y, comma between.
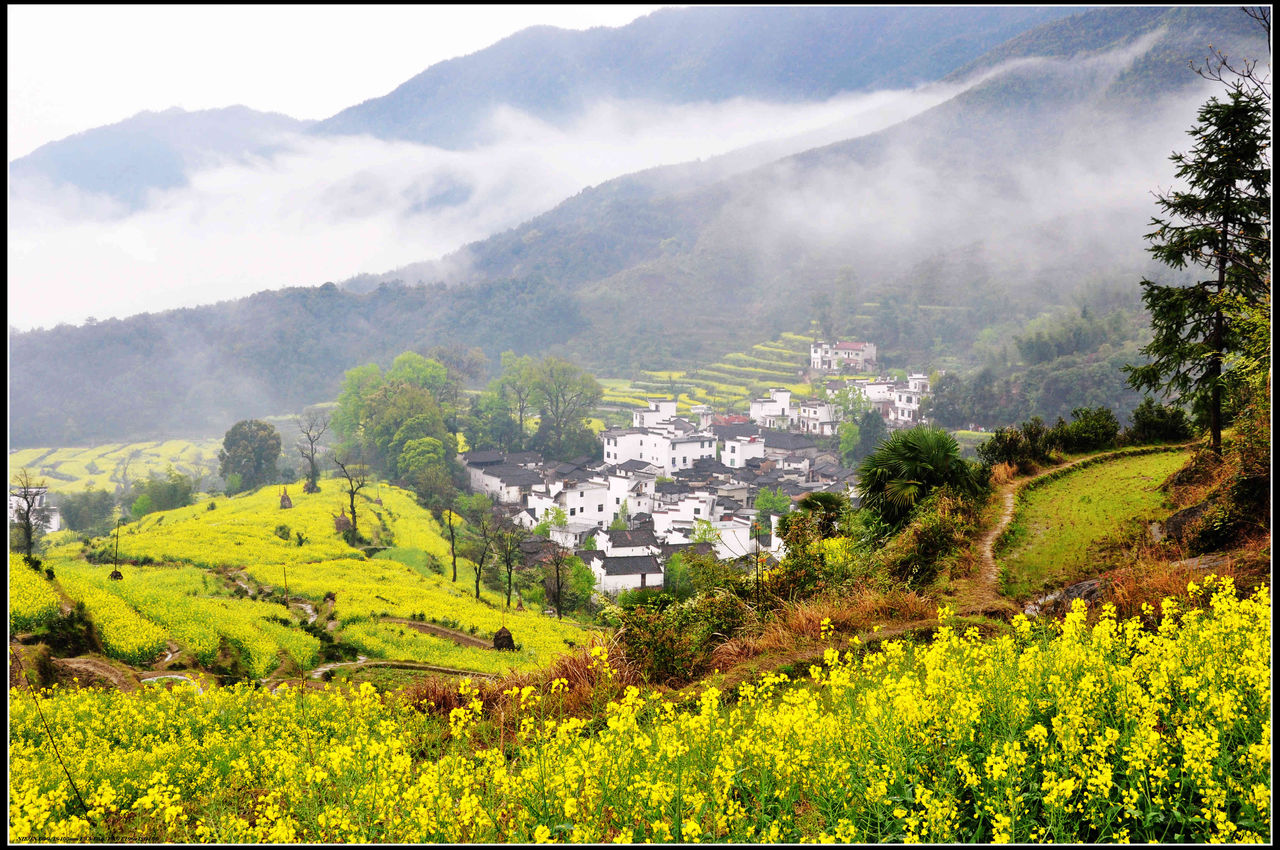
x: 73, y: 68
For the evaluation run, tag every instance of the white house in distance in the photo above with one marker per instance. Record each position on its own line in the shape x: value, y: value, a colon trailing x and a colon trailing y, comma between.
x: 625, y: 560
x: 739, y: 450
x: 832, y: 356
x: 773, y: 411
x: 905, y: 412
x: 658, y: 437
x: 48, y: 517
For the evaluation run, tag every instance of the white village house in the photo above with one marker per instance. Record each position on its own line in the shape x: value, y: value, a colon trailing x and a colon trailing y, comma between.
x: 833, y: 356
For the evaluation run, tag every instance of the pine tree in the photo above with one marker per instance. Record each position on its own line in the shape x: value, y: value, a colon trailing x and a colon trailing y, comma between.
x: 1222, y: 223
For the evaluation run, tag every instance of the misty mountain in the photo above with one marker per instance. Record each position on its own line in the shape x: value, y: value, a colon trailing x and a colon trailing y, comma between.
x: 684, y: 56
x: 154, y: 150
x: 939, y: 236
x: 671, y: 56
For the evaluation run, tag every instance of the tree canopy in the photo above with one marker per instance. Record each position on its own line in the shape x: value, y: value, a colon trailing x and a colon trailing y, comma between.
x: 1221, y: 223
x: 249, y: 452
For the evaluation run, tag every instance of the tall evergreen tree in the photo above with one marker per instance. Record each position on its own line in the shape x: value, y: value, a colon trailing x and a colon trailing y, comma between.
x: 1221, y: 223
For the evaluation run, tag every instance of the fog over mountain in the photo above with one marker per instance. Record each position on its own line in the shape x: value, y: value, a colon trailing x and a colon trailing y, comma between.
x: 315, y: 209
x: 954, y: 211
x: 174, y: 209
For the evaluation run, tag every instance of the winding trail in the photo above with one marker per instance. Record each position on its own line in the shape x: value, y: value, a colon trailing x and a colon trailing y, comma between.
x: 1008, y: 493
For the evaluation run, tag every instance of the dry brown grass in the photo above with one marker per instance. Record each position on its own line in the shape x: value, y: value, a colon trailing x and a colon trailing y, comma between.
x: 585, y: 682
x: 1147, y: 581
x: 1003, y: 473
x: 797, y: 624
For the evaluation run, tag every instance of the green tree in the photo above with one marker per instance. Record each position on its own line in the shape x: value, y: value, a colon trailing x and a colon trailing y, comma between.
x: 89, y: 511
x: 871, y: 432
x: 517, y: 384
x: 412, y: 369
x: 358, y: 385
x: 826, y: 508
x: 250, y: 449
x: 850, y: 439
x: 622, y: 521
x: 772, y: 501
x: 703, y: 532
x: 564, y: 394
x: 1220, y: 223
x: 907, y: 467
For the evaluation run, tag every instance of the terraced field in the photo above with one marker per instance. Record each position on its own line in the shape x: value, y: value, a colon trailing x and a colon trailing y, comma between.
x: 187, y: 572
x: 1048, y: 542
x: 107, y: 466
x: 727, y: 385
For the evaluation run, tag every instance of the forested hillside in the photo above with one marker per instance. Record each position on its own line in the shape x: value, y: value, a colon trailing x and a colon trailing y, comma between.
x: 941, y: 236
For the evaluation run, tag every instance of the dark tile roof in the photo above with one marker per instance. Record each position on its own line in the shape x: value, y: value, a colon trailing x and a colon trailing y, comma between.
x: 639, y: 537
x: 730, y: 432
x: 669, y: 549
x: 483, y: 458
x: 632, y: 566
x: 671, y: 488
x: 525, y: 458
x: 787, y: 441
x: 514, y: 476
x: 635, y: 465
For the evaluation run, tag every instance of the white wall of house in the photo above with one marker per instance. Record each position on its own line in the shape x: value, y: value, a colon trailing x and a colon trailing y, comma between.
x: 636, y: 491
x: 739, y: 450
x: 774, y: 411
x: 659, y: 410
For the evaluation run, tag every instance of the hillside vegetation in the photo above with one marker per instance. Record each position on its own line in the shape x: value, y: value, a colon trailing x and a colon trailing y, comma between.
x: 186, y: 574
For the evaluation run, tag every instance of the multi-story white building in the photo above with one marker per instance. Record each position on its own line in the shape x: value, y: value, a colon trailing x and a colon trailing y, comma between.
x: 832, y: 356
x: 738, y: 450
x: 773, y: 411
x: 905, y: 412
x: 660, y: 438
x: 816, y: 416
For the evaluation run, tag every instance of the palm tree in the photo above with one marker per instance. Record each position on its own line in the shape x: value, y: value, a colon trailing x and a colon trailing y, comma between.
x: 826, y: 508
x: 910, y: 464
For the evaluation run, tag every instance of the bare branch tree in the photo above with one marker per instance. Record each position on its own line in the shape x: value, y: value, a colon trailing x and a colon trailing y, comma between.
x: 485, y: 528
x: 355, y: 472
x: 1220, y: 68
x: 312, y: 424
x: 27, y: 505
x: 557, y: 567
x: 508, y: 552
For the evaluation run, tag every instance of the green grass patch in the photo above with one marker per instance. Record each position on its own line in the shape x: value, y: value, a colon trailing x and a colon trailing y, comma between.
x: 1047, y: 543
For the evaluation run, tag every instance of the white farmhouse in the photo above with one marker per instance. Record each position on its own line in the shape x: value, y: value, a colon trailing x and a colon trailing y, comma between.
x: 738, y: 450
x: 773, y: 411
x: 832, y: 356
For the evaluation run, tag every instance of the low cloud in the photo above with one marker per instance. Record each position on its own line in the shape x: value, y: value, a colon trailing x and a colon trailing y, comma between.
x: 321, y: 209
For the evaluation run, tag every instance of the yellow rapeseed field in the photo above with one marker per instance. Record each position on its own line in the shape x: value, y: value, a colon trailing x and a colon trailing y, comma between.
x: 1062, y: 733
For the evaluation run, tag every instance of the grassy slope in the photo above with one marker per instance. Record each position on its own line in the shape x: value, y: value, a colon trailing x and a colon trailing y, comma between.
x: 1056, y: 523
x: 196, y: 549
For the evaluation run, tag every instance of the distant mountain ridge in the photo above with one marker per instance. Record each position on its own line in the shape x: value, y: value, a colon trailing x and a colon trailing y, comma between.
x: 678, y: 264
x: 670, y: 56
x: 687, y: 55
x: 154, y: 150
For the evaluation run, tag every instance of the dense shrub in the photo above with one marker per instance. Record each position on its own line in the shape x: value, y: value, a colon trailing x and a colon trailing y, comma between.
x: 1157, y: 423
x: 936, y: 527
x: 1090, y: 429
x: 1024, y: 447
